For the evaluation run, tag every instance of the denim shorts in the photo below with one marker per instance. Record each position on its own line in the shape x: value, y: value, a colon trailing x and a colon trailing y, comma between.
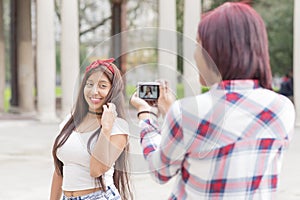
x: 110, y: 194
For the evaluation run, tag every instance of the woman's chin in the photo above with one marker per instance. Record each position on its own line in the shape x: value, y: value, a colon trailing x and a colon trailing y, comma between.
x: 95, y: 106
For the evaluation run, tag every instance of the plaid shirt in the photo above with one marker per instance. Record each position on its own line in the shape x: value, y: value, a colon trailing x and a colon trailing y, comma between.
x: 223, y: 144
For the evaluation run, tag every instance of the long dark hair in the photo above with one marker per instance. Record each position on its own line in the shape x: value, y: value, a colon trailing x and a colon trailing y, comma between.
x: 115, y: 95
x: 235, y: 37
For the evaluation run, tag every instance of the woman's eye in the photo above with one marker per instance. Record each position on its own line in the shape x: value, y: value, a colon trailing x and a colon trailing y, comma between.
x: 103, y: 86
x: 89, y: 84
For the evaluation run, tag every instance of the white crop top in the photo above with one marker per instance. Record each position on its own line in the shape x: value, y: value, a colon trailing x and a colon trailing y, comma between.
x: 76, y: 159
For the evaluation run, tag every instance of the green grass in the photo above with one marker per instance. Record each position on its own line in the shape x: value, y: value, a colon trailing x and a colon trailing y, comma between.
x: 204, y: 89
x: 130, y: 89
x: 7, y: 96
x: 58, y: 91
x: 180, y: 91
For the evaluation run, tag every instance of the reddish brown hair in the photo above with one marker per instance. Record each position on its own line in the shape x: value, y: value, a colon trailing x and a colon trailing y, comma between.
x: 235, y: 37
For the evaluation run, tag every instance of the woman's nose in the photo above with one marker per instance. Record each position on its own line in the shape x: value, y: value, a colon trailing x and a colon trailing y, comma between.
x: 95, y: 89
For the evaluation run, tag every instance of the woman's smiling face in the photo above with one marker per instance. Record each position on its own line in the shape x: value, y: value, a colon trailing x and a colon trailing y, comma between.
x: 96, y: 89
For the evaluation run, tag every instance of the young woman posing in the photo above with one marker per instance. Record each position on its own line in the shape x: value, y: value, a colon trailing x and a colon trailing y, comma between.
x: 90, y: 152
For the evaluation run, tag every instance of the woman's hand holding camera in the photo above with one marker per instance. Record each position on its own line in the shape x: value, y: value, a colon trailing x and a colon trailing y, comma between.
x: 166, y: 97
x: 164, y: 102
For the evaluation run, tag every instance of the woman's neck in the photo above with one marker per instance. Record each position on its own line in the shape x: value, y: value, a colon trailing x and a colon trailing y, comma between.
x: 99, y: 113
x: 89, y: 123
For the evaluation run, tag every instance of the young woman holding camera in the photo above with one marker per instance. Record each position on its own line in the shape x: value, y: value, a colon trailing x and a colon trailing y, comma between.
x: 227, y: 143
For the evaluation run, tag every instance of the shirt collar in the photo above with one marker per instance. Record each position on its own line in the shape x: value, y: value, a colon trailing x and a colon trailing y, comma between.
x: 244, y: 84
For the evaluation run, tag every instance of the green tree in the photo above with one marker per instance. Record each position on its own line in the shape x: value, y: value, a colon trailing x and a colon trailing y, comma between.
x: 278, y: 17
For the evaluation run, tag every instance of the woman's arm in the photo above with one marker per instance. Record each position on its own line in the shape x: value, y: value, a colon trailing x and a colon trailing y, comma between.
x: 56, y: 190
x: 108, y: 147
x: 106, y: 152
x: 163, y: 148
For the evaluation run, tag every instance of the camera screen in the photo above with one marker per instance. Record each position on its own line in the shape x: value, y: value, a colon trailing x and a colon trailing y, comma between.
x: 149, y: 92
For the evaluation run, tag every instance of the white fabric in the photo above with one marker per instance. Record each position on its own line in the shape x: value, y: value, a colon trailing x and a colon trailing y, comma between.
x: 76, y: 159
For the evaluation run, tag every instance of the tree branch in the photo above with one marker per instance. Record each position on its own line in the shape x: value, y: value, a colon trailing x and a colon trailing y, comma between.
x: 95, y: 26
x: 57, y: 11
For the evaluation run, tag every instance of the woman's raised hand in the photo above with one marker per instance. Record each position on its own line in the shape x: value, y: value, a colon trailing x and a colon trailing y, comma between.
x: 108, y: 117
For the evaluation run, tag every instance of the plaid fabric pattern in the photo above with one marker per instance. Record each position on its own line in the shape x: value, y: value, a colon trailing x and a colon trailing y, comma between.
x: 223, y: 144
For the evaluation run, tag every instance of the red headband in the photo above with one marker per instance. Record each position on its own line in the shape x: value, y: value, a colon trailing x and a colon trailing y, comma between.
x: 106, y: 62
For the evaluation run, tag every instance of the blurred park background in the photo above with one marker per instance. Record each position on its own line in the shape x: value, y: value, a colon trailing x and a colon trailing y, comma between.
x: 45, y: 45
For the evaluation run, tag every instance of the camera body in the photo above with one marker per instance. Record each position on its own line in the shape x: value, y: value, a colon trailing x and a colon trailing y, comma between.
x: 148, y: 90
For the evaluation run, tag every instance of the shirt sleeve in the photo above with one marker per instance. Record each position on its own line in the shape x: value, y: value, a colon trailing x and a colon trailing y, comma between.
x: 120, y: 127
x: 288, y: 115
x: 164, y: 149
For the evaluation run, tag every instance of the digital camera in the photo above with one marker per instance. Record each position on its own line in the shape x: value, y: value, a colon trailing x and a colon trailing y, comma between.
x: 148, y: 90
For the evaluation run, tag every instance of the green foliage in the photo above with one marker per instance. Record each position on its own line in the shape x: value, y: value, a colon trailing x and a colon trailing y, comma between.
x: 83, y: 52
x: 214, y: 4
x: 179, y: 28
x: 278, y: 17
x: 58, y: 63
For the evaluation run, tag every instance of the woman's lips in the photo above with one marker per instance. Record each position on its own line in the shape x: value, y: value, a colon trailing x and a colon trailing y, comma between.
x: 95, y: 100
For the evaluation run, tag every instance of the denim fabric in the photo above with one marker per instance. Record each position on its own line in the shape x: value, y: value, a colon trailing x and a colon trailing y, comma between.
x: 110, y: 194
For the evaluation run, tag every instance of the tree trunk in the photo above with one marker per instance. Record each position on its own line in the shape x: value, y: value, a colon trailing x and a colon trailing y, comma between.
x: 2, y: 59
x: 14, y: 101
x: 118, y: 26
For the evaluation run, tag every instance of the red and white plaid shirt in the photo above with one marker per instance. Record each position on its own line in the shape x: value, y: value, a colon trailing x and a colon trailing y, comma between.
x: 223, y: 144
